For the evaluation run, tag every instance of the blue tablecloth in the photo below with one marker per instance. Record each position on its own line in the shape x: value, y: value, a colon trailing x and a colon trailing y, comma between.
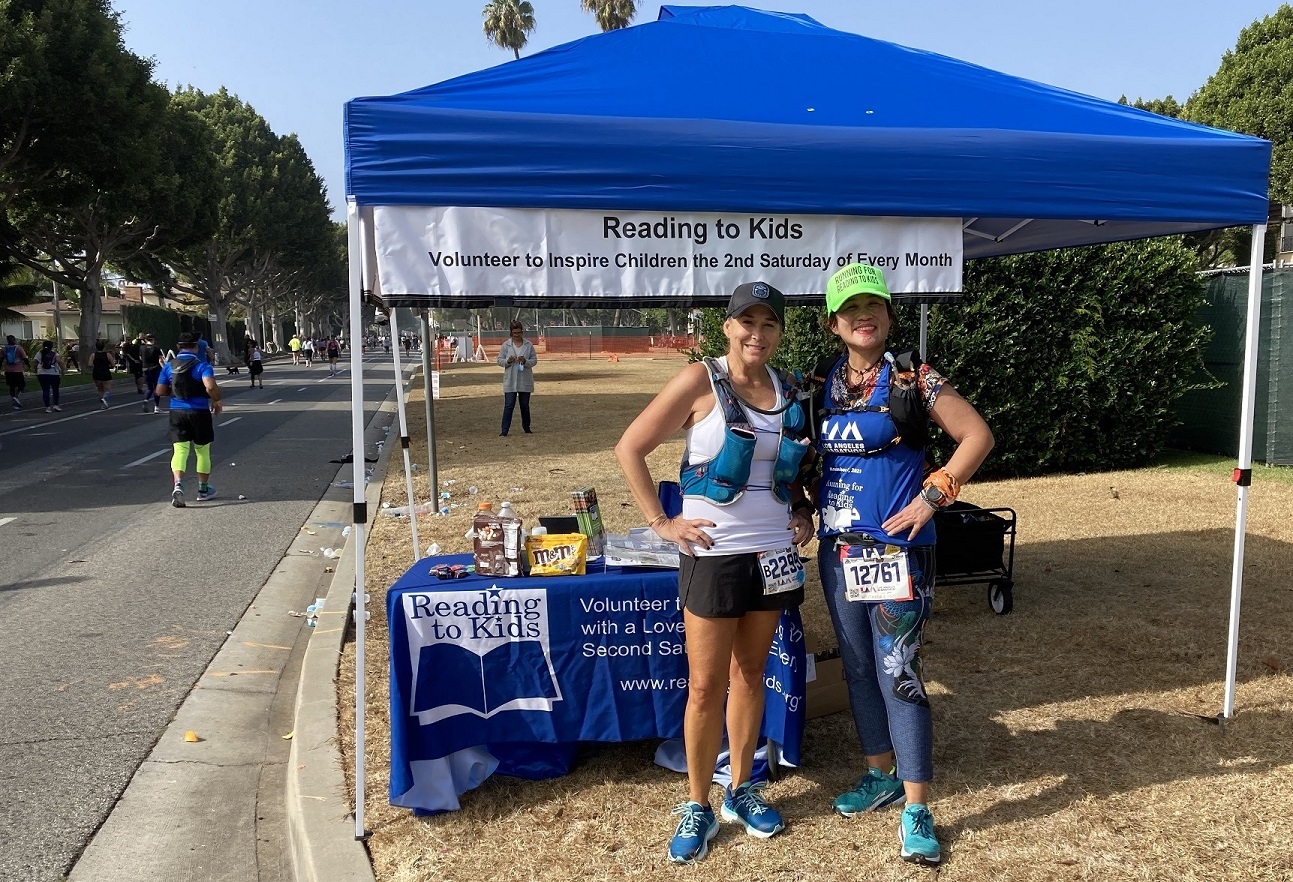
x: 510, y: 675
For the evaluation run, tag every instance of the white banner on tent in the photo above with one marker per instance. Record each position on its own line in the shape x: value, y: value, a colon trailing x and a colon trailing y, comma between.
x: 607, y: 255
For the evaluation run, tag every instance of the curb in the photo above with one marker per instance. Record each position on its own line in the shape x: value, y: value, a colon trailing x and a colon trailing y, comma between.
x: 320, y: 818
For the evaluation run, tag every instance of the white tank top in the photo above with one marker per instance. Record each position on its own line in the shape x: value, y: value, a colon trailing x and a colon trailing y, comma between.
x: 756, y: 521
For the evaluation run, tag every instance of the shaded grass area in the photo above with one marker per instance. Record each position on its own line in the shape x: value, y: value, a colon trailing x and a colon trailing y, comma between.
x: 1075, y: 739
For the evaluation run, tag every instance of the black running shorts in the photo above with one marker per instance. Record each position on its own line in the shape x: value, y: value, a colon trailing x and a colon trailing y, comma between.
x: 192, y: 425
x: 728, y: 586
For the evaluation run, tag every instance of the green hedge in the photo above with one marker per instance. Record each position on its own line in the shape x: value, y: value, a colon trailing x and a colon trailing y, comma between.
x: 168, y: 324
x: 1074, y: 357
x: 164, y: 324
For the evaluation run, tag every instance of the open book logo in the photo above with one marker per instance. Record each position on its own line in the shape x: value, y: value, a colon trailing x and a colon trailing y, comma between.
x: 479, y: 652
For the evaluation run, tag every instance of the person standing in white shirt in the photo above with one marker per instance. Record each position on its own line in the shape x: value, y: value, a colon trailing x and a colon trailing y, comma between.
x: 517, y: 358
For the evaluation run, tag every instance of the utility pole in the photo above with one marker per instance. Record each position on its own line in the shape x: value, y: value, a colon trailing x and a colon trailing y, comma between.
x: 58, y: 326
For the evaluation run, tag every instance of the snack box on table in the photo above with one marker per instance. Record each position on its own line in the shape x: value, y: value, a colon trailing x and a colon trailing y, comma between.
x: 584, y: 501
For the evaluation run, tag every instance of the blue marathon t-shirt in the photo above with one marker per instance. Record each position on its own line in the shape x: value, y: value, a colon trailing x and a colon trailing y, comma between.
x: 198, y: 371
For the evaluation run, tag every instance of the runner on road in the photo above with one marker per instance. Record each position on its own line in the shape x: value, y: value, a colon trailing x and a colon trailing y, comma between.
x: 153, y: 358
x: 49, y: 373
x: 101, y: 365
x: 15, y: 365
x: 333, y: 349
x: 191, y: 383
x: 255, y: 363
x: 135, y: 363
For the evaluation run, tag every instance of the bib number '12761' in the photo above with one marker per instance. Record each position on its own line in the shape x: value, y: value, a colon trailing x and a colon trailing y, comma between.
x: 875, y: 573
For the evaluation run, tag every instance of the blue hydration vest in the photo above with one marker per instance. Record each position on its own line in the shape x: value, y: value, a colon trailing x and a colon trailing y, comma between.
x: 869, y: 475
x: 723, y: 479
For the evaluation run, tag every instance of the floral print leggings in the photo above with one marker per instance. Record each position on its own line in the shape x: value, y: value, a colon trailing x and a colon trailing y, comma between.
x: 880, y: 646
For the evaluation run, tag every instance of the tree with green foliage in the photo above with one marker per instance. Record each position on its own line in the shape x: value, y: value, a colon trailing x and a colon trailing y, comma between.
x: 272, y: 222
x: 134, y: 176
x: 1168, y: 106
x: 19, y: 286
x: 1249, y: 93
x: 611, y: 15
x: 64, y: 73
x: 509, y: 23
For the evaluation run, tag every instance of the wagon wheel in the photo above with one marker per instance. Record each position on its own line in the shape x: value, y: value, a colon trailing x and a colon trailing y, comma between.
x: 1001, y: 596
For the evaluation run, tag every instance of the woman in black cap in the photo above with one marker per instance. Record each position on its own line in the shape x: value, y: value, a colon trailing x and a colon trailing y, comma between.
x: 741, y: 520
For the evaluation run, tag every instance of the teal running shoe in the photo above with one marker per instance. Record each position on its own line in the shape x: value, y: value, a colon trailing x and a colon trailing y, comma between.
x: 690, y: 841
x: 872, y: 792
x: 747, y: 805
x: 916, y: 832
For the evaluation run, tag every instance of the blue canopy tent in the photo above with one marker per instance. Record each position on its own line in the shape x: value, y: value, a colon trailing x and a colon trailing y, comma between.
x: 736, y: 110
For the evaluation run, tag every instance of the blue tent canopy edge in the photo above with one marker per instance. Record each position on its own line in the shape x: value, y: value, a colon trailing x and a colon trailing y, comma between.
x: 738, y: 109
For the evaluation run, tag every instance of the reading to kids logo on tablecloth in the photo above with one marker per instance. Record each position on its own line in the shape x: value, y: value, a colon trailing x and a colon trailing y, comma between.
x: 490, y: 651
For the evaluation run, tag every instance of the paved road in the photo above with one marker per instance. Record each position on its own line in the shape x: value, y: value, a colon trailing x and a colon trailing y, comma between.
x: 112, y: 603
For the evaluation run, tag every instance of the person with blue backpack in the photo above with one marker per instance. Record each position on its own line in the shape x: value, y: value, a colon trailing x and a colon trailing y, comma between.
x: 16, y: 363
x: 743, y: 516
x: 195, y: 398
x: 870, y: 417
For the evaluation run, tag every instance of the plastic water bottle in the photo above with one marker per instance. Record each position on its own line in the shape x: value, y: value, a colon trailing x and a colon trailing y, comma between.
x: 513, y: 533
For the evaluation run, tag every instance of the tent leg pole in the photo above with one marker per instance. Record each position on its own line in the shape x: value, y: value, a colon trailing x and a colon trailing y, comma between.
x: 359, y: 529
x: 404, y: 434
x: 1243, y: 472
x: 433, y: 475
x: 924, y: 331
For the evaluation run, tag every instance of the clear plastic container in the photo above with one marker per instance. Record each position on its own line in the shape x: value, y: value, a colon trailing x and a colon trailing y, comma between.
x: 488, y: 542
x: 513, y: 541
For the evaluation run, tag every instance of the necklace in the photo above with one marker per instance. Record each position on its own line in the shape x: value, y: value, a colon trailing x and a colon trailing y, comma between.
x: 849, y: 395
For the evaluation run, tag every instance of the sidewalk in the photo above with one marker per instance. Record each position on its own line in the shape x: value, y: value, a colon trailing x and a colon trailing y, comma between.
x: 261, y: 797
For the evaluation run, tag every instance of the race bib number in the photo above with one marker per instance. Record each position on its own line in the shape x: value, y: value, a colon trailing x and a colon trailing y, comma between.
x: 782, y: 570
x: 875, y: 573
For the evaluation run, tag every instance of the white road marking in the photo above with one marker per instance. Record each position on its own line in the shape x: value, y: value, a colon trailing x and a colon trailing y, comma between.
x: 302, y: 389
x: 276, y: 401
x: 4, y: 521
x: 131, y: 465
x: 79, y: 416
x: 227, y: 422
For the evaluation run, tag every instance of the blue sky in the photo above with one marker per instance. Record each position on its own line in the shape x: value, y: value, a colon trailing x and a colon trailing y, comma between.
x: 297, y: 63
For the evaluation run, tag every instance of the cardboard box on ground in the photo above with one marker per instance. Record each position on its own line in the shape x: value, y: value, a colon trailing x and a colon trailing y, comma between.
x: 827, y: 692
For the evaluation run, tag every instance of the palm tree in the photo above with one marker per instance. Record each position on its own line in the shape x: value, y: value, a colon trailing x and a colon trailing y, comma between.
x: 611, y: 15
x: 508, y: 23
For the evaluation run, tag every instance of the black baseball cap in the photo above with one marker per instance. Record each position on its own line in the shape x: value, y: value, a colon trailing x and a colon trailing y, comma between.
x: 187, y: 339
x: 751, y: 294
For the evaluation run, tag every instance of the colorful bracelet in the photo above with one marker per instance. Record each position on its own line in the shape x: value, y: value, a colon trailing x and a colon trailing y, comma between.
x: 947, y: 485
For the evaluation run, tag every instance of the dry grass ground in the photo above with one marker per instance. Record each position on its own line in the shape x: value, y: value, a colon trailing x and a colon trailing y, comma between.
x: 1075, y: 738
